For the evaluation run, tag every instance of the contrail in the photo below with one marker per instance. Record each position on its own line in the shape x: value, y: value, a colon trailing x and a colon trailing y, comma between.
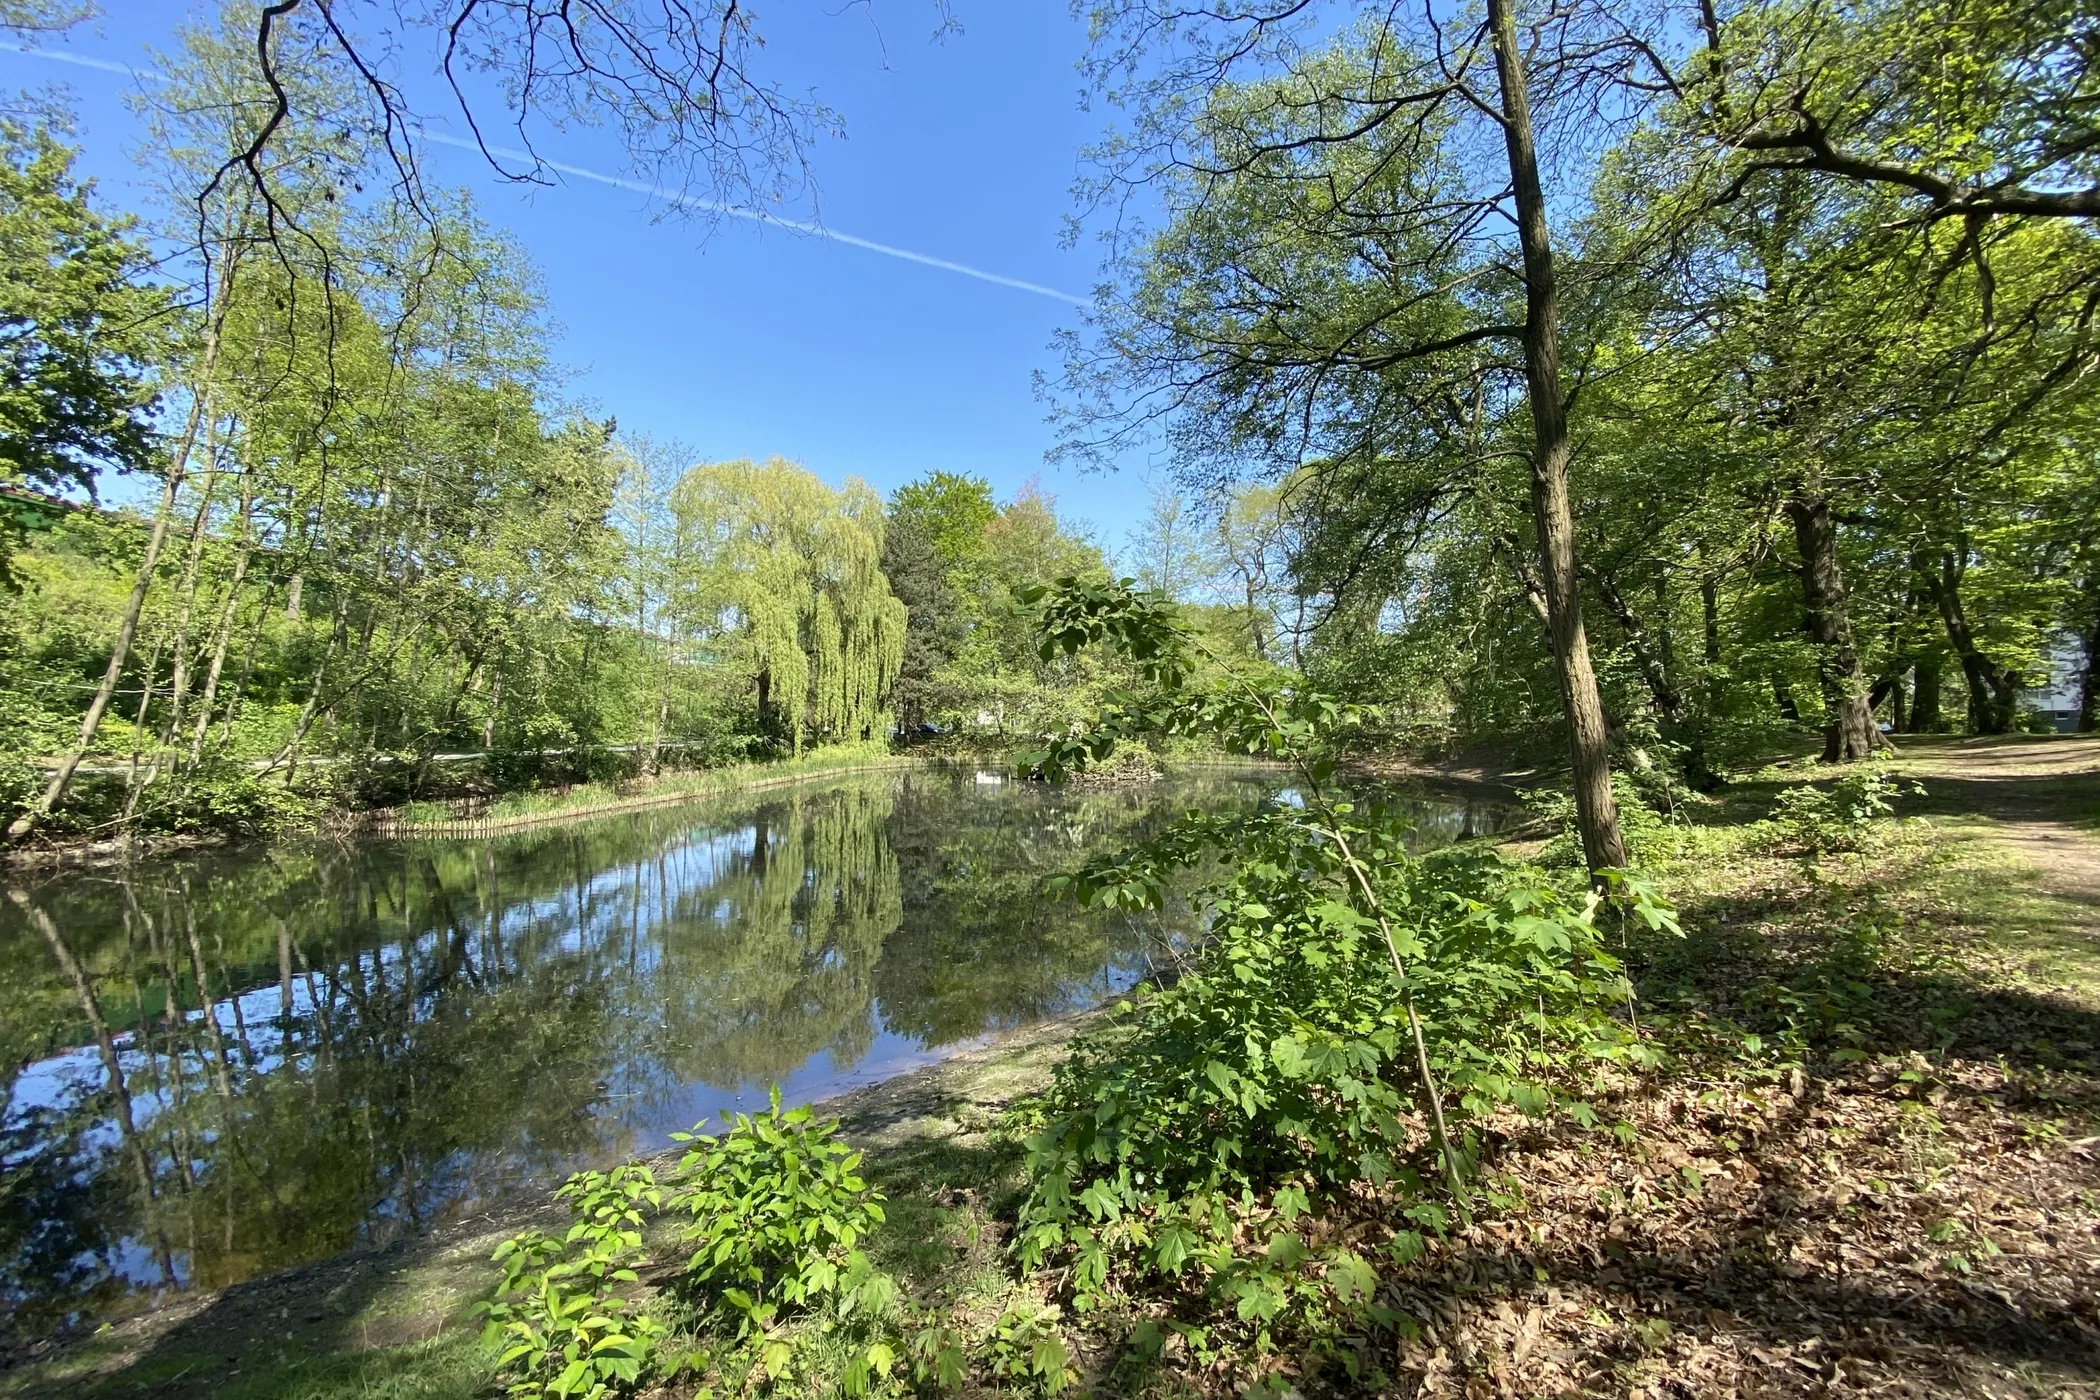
x: 105, y: 65
x: 672, y: 197
x: 759, y: 216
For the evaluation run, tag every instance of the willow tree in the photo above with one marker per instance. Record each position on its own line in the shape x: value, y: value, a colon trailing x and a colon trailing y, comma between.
x: 785, y: 578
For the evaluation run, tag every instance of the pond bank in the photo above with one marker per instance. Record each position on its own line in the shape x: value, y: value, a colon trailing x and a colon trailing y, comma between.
x: 511, y: 811
x: 420, y: 822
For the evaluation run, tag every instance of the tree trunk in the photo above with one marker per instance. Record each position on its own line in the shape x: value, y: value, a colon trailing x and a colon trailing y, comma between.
x: 1710, y: 617
x: 192, y: 573
x: 1649, y: 655
x: 1925, y: 698
x: 1682, y: 722
x: 1848, y: 716
x: 135, y: 605
x: 1994, y: 693
x: 1595, y: 811
x: 2089, y: 681
x: 222, y: 636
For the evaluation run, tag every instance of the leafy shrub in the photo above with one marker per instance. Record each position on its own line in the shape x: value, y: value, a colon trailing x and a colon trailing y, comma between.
x: 565, y: 1329
x: 1819, y: 821
x: 1291, y: 1053
x: 1026, y: 1348
x: 777, y: 1212
x: 1648, y: 833
x: 1354, y: 1011
x: 223, y: 798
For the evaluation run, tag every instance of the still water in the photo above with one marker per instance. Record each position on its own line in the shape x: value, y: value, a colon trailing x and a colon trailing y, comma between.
x: 224, y: 1065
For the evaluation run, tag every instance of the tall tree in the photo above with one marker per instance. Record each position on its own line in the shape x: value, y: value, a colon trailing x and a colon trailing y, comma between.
x: 1340, y: 282
x: 786, y: 582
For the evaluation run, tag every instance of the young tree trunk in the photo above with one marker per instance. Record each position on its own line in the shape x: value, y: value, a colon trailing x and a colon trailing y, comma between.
x: 1994, y: 693
x: 1595, y: 811
x: 2089, y: 680
x: 222, y: 636
x: 488, y: 722
x: 135, y: 605
x: 1848, y: 715
x: 192, y: 576
x: 1925, y: 698
x: 119, y: 654
x: 1710, y: 617
x: 248, y: 655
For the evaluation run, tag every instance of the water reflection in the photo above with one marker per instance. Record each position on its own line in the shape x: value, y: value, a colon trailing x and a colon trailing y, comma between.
x: 225, y: 1065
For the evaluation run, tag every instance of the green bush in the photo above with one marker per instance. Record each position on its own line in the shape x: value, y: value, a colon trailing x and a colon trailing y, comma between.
x: 1289, y: 1054
x: 1819, y: 821
x: 1353, y: 1014
x: 776, y: 1211
x: 223, y: 799
x: 565, y: 1329
x: 1649, y: 834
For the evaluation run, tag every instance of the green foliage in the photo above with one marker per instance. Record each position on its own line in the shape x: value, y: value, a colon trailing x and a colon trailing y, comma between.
x: 565, y: 1330
x: 223, y: 798
x: 1287, y: 1053
x: 1649, y: 834
x: 777, y: 1213
x: 1840, y: 817
x: 1026, y: 1349
x: 1354, y: 1009
x: 83, y: 326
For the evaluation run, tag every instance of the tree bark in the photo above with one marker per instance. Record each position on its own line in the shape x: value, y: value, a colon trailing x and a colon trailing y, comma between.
x: 1925, y: 698
x: 1648, y: 654
x: 1682, y: 722
x: 1848, y: 715
x: 192, y: 572
x: 1994, y: 693
x: 1596, y: 812
x: 222, y: 635
x: 1710, y: 618
x: 2089, y: 681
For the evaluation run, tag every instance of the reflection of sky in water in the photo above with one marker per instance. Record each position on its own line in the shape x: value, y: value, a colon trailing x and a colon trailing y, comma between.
x: 885, y: 924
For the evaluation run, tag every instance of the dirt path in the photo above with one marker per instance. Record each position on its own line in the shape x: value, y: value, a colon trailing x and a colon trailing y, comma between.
x: 2043, y: 790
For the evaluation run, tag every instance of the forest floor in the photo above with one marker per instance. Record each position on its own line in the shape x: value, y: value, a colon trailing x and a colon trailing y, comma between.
x: 1870, y: 1164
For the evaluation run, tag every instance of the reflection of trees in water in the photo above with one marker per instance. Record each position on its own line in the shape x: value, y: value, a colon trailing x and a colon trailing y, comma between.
x: 981, y: 945
x: 399, y: 1031
x: 768, y: 947
x: 288, y: 1121
x: 416, y: 1030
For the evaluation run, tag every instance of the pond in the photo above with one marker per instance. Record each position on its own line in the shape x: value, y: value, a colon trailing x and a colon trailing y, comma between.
x: 228, y: 1064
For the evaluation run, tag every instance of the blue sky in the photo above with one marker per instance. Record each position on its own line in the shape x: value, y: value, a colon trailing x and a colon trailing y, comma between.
x: 749, y: 340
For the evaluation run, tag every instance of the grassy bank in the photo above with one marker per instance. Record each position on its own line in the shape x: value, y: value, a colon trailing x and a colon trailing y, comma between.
x: 533, y: 808
x: 1865, y: 1162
